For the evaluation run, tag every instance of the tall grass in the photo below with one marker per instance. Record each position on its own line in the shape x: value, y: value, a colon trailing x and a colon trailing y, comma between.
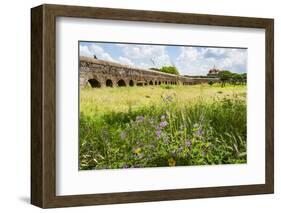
x: 162, y: 126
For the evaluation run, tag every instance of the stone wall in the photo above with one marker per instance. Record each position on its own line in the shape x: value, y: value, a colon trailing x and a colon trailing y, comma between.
x: 99, y: 73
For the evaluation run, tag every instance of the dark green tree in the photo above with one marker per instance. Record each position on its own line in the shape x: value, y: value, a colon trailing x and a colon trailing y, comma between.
x: 210, y: 83
x: 225, y: 77
x: 244, y: 78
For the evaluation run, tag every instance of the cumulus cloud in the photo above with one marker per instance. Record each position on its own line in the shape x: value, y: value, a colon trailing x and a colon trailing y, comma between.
x: 94, y: 49
x: 84, y: 51
x: 147, y: 55
x: 198, y: 60
x: 188, y: 60
x: 124, y: 60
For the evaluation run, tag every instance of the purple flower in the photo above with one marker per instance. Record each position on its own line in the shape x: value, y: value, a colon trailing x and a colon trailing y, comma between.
x: 199, y: 132
x: 139, y: 118
x: 158, y: 133
x: 123, y: 135
x: 163, y: 124
x: 188, y: 143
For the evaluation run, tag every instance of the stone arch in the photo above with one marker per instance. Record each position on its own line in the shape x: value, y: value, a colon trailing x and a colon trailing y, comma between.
x: 159, y: 83
x: 94, y: 83
x: 131, y: 83
x: 150, y: 82
x: 121, y: 83
x: 109, y: 83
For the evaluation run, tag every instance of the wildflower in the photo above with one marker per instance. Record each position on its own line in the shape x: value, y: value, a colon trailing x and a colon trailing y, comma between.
x: 139, y: 118
x: 123, y: 135
x: 199, y: 132
x: 180, y: 149
x: 188, y: 143
x: 171, y: 162
x: 163, y: 117
x: 163, y: 123
x: 158, y: 133
x: 203, y: 154
x: 137, y: 151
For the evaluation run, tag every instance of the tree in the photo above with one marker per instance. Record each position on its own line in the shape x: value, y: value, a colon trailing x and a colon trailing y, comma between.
x: 210, y: 83
x: 244, y: 78
x: 225, y: 76
x: 236, y: 78
x: 170, y: 70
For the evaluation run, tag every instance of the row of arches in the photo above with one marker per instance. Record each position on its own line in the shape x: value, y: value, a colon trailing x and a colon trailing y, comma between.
x: 188, y: 83
x: 108, y: 83
x: 121, y: 83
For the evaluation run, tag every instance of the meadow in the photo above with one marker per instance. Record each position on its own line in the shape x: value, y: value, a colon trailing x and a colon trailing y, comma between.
x: 159, y: 126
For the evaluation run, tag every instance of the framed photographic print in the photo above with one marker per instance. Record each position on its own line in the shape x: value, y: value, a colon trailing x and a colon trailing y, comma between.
x: 135, y: 106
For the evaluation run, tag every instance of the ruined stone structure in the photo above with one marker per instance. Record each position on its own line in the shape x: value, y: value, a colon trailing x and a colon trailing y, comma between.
x: 100, y: 73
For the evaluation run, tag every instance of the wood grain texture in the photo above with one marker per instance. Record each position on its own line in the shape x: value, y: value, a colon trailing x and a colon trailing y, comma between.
x: 36, y: 106
x: 43, y: 105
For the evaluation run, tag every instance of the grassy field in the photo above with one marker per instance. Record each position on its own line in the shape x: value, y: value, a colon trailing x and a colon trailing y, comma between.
x: 133, y: 127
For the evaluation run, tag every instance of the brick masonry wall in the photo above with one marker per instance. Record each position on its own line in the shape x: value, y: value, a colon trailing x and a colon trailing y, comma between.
x: 99, y: 73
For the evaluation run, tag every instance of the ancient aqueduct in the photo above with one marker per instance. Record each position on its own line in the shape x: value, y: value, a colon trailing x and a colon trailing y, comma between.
x: 99, y: 73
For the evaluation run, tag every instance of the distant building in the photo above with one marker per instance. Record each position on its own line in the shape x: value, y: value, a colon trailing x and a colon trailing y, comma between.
x: 214, y: 72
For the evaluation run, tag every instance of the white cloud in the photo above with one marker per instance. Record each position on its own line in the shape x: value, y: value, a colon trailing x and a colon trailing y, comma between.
x: 189, y: 54
x: 124, y: 60
x: 147, y: 55
x: 189, y: 60
x: 84, y: 51
x: 95, y: 50
x: 197, y: 60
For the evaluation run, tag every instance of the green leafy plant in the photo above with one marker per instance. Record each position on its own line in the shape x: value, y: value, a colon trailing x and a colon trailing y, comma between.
x: 169, y: 133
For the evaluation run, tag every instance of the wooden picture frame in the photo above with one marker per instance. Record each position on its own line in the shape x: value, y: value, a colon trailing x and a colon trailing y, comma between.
x: 43, y: 105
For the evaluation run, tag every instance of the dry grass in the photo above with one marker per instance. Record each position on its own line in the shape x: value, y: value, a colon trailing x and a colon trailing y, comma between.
x: 94, y: 101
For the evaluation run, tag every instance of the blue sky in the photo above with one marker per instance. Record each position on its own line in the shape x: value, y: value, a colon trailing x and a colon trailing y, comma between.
x: 190, y: 60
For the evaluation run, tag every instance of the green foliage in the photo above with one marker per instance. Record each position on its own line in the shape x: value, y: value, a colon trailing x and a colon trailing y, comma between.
x: 210, y: 83
x: 232, y: 78
x: 166, y: 134
x: 169, y: 69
